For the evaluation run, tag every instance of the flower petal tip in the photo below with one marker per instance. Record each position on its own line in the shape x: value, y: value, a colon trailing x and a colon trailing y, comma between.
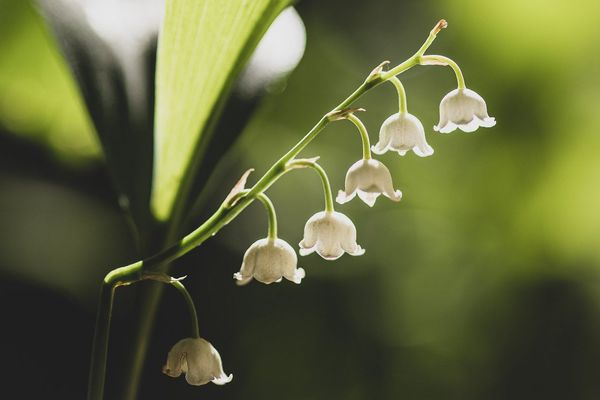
x: 424, y: 150
x: 342, y: 197
x: 222, y: 380
x: 243, y: 282
x: 299, y: 275
x: 330, y: 257
x: 448, y: 128
x: 358, y: 252
x: 377, y: 150
x: 305, y: 251
x: 397, y: 196
x: 489, y: 122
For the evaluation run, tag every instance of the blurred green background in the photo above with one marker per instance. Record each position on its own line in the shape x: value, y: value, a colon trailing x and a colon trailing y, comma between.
x: 483, y: 283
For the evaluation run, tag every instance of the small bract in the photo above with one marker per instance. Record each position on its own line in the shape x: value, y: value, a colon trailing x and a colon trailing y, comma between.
x: 402, y: 132
x: 369, y: 179
x: 268, y: 261
x: 330, y: 234
x: 199, y: 360
x: 463, y: 109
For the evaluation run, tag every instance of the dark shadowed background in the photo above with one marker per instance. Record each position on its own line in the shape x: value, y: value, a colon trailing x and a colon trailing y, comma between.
x: 483, y: 283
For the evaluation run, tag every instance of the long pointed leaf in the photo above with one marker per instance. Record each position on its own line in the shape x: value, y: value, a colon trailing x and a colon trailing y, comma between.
x: 202, y: 47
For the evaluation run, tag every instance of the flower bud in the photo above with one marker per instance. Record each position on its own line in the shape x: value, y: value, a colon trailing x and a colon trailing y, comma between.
x: 268, y: 261
x: 330, y: 234
x: 199, y: 360
x: 463, y: 109
x: 402, y: 132
x: 369, y: 179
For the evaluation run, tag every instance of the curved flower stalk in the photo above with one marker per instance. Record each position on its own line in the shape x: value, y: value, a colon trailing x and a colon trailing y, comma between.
x: 402, y: 132
x: 368, y: 178
x: 330, y: 234
x: 198, y: 360
x: 194, y: 356
x: 462, y: 108
x: 271, y: 259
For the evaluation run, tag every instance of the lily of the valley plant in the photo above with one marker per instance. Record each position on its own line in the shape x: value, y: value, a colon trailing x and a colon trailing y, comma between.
x: 329, y: 233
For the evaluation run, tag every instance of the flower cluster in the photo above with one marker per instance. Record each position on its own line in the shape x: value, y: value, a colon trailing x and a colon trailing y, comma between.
x: 330, y: 233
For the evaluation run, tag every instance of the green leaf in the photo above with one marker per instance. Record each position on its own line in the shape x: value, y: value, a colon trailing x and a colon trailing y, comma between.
x: 202, y: 47
x: 112, y: 61
x: 39, y: 100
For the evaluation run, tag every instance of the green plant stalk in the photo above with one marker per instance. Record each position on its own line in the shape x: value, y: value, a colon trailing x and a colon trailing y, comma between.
x: 322, y: 175
x: 364, y: 136
x: 191, y: 306
x: 212, y: 225
x: 107, y: 294
x: 443, y: 60
x: 402, y: 102
x: 150, y: 300
x: 100, y: 344
x: 272, y: 230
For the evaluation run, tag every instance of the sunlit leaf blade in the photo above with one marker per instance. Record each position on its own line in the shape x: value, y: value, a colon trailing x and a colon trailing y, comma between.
x: 202, y: 47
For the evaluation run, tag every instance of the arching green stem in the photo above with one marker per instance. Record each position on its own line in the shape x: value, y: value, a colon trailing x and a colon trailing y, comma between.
x: 190, y: 304
x: 442, y: 60
x: 364, y: 135
x: 114, y: 279
x: 442, y: 24
x: 322, y: 174
x: 414, y: 60
x: 272, y: 232
x: 402, y: 104
x: 100, y: 343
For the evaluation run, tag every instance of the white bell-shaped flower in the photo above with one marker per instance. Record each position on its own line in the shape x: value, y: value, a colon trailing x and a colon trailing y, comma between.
x: 368, y: 178
x: 402, y: 132
x: 268, y: 261
x: 199, y: 360
x: 330, y: 234
x: 463, y: 109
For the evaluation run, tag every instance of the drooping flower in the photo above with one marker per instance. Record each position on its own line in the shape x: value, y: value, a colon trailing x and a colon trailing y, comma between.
x: 402, y: 132
x: 368, y: 178
x: 463, y: 109
x: 199, y: 360
x: 330, y: 234
x: 268, y: 261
